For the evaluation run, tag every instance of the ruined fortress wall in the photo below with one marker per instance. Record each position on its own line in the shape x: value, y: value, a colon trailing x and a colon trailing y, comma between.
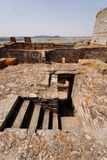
x: 23, y: 56
x: 100, y: 28
x: 55, y: 55
x: 72, y: 55
x: 36, y: 46
x: 30, y: 46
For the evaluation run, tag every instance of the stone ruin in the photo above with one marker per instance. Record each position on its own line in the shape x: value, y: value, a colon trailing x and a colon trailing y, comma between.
x: 100, y: 28
x: 53, y: 102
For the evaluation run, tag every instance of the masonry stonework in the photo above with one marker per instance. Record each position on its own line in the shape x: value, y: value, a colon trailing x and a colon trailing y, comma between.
x: 100, y: 28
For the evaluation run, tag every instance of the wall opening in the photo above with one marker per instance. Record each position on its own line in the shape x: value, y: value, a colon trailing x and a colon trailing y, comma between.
x: 65, y: 86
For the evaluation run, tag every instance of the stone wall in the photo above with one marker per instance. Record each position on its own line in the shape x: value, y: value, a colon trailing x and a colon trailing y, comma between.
x: 89, y: 94
x: 35, y: 46
x: 53, y: 55
x: 22, y: 56
x: 100, y: 28
x: 73, y: 55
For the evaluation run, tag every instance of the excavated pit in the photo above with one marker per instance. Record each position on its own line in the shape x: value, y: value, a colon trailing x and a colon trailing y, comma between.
x: 28, y: 114
x: 36, y: 113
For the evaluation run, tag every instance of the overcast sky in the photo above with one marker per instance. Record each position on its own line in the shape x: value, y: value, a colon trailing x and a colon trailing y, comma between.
x: 48, y: 17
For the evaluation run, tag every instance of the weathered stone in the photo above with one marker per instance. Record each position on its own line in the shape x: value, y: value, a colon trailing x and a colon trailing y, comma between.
x: 49, y: 145
x: 49, y: 52
x: 5, y: 106
x: 11, y: 61
x: 27, y: 39
x: 13, y: 39
x: 85, y: 137
x: 94, y: 63
x: 102, y: 70
x: 3, y: 63
x: 73, y: 55
x: 100, y: 28
x: 33, y: 95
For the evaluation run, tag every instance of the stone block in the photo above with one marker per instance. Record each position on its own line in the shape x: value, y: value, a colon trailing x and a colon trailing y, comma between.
x: 27, y: 39
x: 11, y: 61
x: 102, y: 70
x: 94, y: 63
x: 13, y: 39
x: 3, y: 63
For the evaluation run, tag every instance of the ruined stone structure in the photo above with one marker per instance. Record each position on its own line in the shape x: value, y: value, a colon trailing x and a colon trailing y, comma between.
x: 49, y: 52
x: 100, y: 28
x: 53, y: 102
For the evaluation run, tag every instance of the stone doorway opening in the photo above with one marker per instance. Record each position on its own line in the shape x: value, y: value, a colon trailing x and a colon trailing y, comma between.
x: 65, y: 86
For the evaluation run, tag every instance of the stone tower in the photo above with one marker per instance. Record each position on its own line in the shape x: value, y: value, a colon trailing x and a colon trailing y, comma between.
x: 100, y: 28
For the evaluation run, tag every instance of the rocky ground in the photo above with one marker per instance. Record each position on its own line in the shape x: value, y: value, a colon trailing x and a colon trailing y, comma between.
x: 21, y: 80
x: 28, y: 79
x: 50, y: 145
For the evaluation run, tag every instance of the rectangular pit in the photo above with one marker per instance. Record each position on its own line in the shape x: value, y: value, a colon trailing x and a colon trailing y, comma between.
x: 35, y: 113
x: 28, y: 114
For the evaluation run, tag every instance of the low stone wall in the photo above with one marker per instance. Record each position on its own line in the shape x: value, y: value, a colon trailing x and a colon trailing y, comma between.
x: 22, y: 56
x: 20, y: 45
x: 73, y: 55
x: 35, y: 46
x: 89, y: 99
x: 55, y: 55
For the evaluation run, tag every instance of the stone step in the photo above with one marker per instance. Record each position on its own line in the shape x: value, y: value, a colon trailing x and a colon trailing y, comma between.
x: 5, y: 106
x: 35, y: 116
x: 46, y: 120
x: 20, y: 116
x: 69, y: 123
x: 55, y: 121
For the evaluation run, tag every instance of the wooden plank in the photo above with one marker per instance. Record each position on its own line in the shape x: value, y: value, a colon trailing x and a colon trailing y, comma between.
x: 55, y: 121
x: 46, y: 120
x: 35, y: 116
x: 20, y: 115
